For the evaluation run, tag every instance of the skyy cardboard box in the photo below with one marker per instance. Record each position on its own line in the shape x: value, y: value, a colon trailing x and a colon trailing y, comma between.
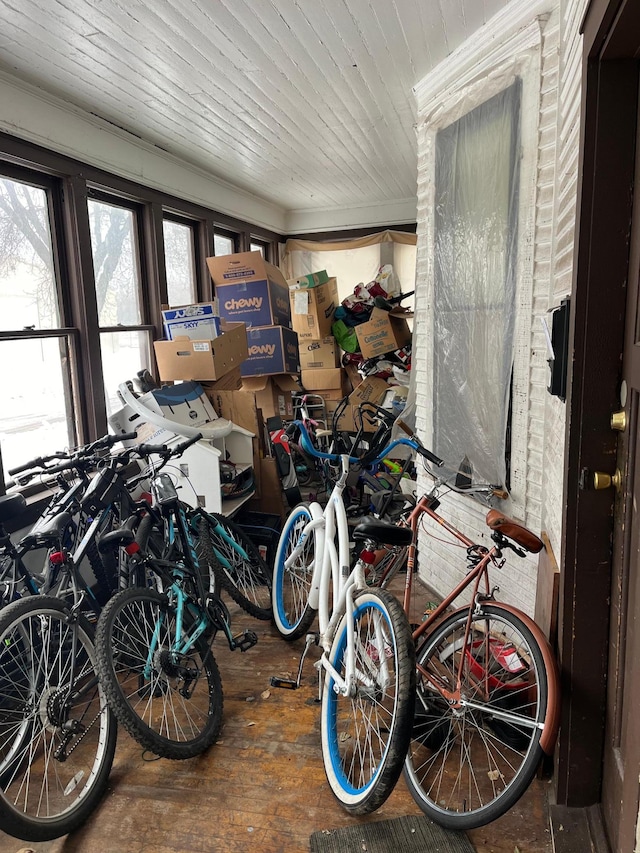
x: 384, y: 332
x: 312, y: 309
x: 205, y: 360
x: 250, y: 290
x: 198, y: 322
x: 272, y: 349
x: 319, y: 354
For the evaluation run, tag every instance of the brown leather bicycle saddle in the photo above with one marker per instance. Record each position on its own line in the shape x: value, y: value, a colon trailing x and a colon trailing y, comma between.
x: 497, y: 520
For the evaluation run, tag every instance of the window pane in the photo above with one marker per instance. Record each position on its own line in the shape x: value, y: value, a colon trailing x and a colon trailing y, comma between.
x: 123, y: 355
x: 37, y: 415
x: 257, y: 247
x: 223, y: 245
x: 179, y: 258
x: 475, y: 223
x: 115, y: 264
x: 27, y: 281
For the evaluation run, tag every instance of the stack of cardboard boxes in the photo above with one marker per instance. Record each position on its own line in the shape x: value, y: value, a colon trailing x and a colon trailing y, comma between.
x: 314, y: 299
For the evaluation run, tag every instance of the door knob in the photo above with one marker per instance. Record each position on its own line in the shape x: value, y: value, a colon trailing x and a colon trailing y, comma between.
x: 619, y: 421
x: 603, y: 481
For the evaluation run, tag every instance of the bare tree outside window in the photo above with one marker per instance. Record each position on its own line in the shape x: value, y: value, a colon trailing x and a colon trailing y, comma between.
x: 179, y: 258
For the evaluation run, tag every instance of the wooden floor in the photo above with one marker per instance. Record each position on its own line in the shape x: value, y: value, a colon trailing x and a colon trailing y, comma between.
x: 262, y: 786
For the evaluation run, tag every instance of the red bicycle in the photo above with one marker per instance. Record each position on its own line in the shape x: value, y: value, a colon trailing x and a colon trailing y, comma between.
x: 488, y: 695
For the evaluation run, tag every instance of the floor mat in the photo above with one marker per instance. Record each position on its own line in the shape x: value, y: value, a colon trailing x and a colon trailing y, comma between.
x: 413, y: 834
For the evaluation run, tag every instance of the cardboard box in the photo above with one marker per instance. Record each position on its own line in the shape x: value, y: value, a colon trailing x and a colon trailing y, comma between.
x: 312, y: 309
x: 271, y: 350
x: 198, y: 322
x: 250, y: 290
x: 370, y: 390
x: 205, y: 360
x: 270, y: 499
x: 260, y: 397
x: 323, y: 379
x: 231, y: 381
x: 318, y: 354
x: 240, y: 408
x: 384, y: 332
x: 272, y: 394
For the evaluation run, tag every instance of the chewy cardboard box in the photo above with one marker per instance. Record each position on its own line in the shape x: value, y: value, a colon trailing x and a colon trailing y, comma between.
x: 384, y: 332
x: 250, y: 290
x: 205, y: 360
x: 271, y: 350
x: 319, y: 354
x: 312, y: 309
x: 198, y: 322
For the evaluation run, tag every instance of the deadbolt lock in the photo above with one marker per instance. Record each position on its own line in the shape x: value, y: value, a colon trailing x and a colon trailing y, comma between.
x: 603, y: 481
x: 619, y: 421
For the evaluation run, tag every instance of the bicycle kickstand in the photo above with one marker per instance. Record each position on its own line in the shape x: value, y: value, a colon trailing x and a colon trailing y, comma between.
x: 290, y: 683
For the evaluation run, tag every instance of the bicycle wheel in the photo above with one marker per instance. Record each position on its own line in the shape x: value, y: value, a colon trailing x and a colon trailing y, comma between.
x: 365, y: 736
x: 57, y: 734
x: 243, y: 572
x: 469, y: 762
x: 169, y: 701
x: 291, y: 585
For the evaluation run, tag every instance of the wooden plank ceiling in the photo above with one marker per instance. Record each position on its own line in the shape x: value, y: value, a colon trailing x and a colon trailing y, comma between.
x: 306, y: 103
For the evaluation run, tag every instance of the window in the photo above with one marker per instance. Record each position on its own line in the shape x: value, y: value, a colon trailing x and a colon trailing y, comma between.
x: 258, y: 247
x: 114, y: 243
x: 475, y: 224
x: 38, y: 410
x: 180, y: 262
x: 223, y: 244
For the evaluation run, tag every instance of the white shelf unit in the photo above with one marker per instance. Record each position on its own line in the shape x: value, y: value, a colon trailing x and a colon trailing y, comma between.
x: 197, y: 472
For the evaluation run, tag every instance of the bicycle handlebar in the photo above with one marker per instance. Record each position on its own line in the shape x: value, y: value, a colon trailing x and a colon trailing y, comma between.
x: 38, y: 462
x: 412, y: 442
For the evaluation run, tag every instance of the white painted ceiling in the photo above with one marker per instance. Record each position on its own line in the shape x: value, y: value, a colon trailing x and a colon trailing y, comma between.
x: 305, y: 103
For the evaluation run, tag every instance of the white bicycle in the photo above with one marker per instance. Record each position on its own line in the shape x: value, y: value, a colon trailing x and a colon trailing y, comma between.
x: 368, y: 655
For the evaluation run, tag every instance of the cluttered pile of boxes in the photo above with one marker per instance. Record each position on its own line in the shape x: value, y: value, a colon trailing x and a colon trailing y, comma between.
x: 264, y: 340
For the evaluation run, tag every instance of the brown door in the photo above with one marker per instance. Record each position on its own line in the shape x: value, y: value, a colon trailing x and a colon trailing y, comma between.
x: 621, y: 770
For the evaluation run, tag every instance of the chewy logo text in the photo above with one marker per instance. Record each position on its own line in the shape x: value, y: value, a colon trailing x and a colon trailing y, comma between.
x: 240, y: 304
x: 262, y: 349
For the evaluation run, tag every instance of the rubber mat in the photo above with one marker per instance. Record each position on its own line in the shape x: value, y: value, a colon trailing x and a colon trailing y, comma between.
x: 413, y: 834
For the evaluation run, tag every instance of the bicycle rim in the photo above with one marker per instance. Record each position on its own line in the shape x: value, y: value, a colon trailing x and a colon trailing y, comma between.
x: 467, y: 765
x: 292, y: 585
x: 244, y: 574
x: 57, y: 734
x: 169, y: 701
x: 365, y: 736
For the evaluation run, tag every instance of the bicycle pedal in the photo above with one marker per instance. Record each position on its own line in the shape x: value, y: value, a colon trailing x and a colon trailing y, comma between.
x: 245, y: 641
x: 286, y: 683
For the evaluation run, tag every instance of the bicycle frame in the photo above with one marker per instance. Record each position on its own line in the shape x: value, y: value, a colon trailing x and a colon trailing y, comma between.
x: 331, y: 566
x: 478, y: 578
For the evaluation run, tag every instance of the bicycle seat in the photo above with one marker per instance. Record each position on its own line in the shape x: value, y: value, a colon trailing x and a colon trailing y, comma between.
x: 383, y: 532
x: 47, y: 531
x: 512, y: 529
x: 11, y: 506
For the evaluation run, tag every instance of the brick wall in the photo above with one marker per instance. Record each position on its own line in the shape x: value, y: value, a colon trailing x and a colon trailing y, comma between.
x: 544, y: 261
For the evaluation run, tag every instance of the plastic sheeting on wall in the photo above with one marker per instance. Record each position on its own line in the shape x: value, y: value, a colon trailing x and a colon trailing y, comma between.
x: 475, y: 238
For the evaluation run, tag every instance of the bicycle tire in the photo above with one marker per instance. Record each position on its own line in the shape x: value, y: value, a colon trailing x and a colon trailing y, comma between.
x: 168, y: 713
x: 57, y: 733
x: 241, y: 570
x: 365, y: 736
x: 467, y: 766
x: 292, y: 613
